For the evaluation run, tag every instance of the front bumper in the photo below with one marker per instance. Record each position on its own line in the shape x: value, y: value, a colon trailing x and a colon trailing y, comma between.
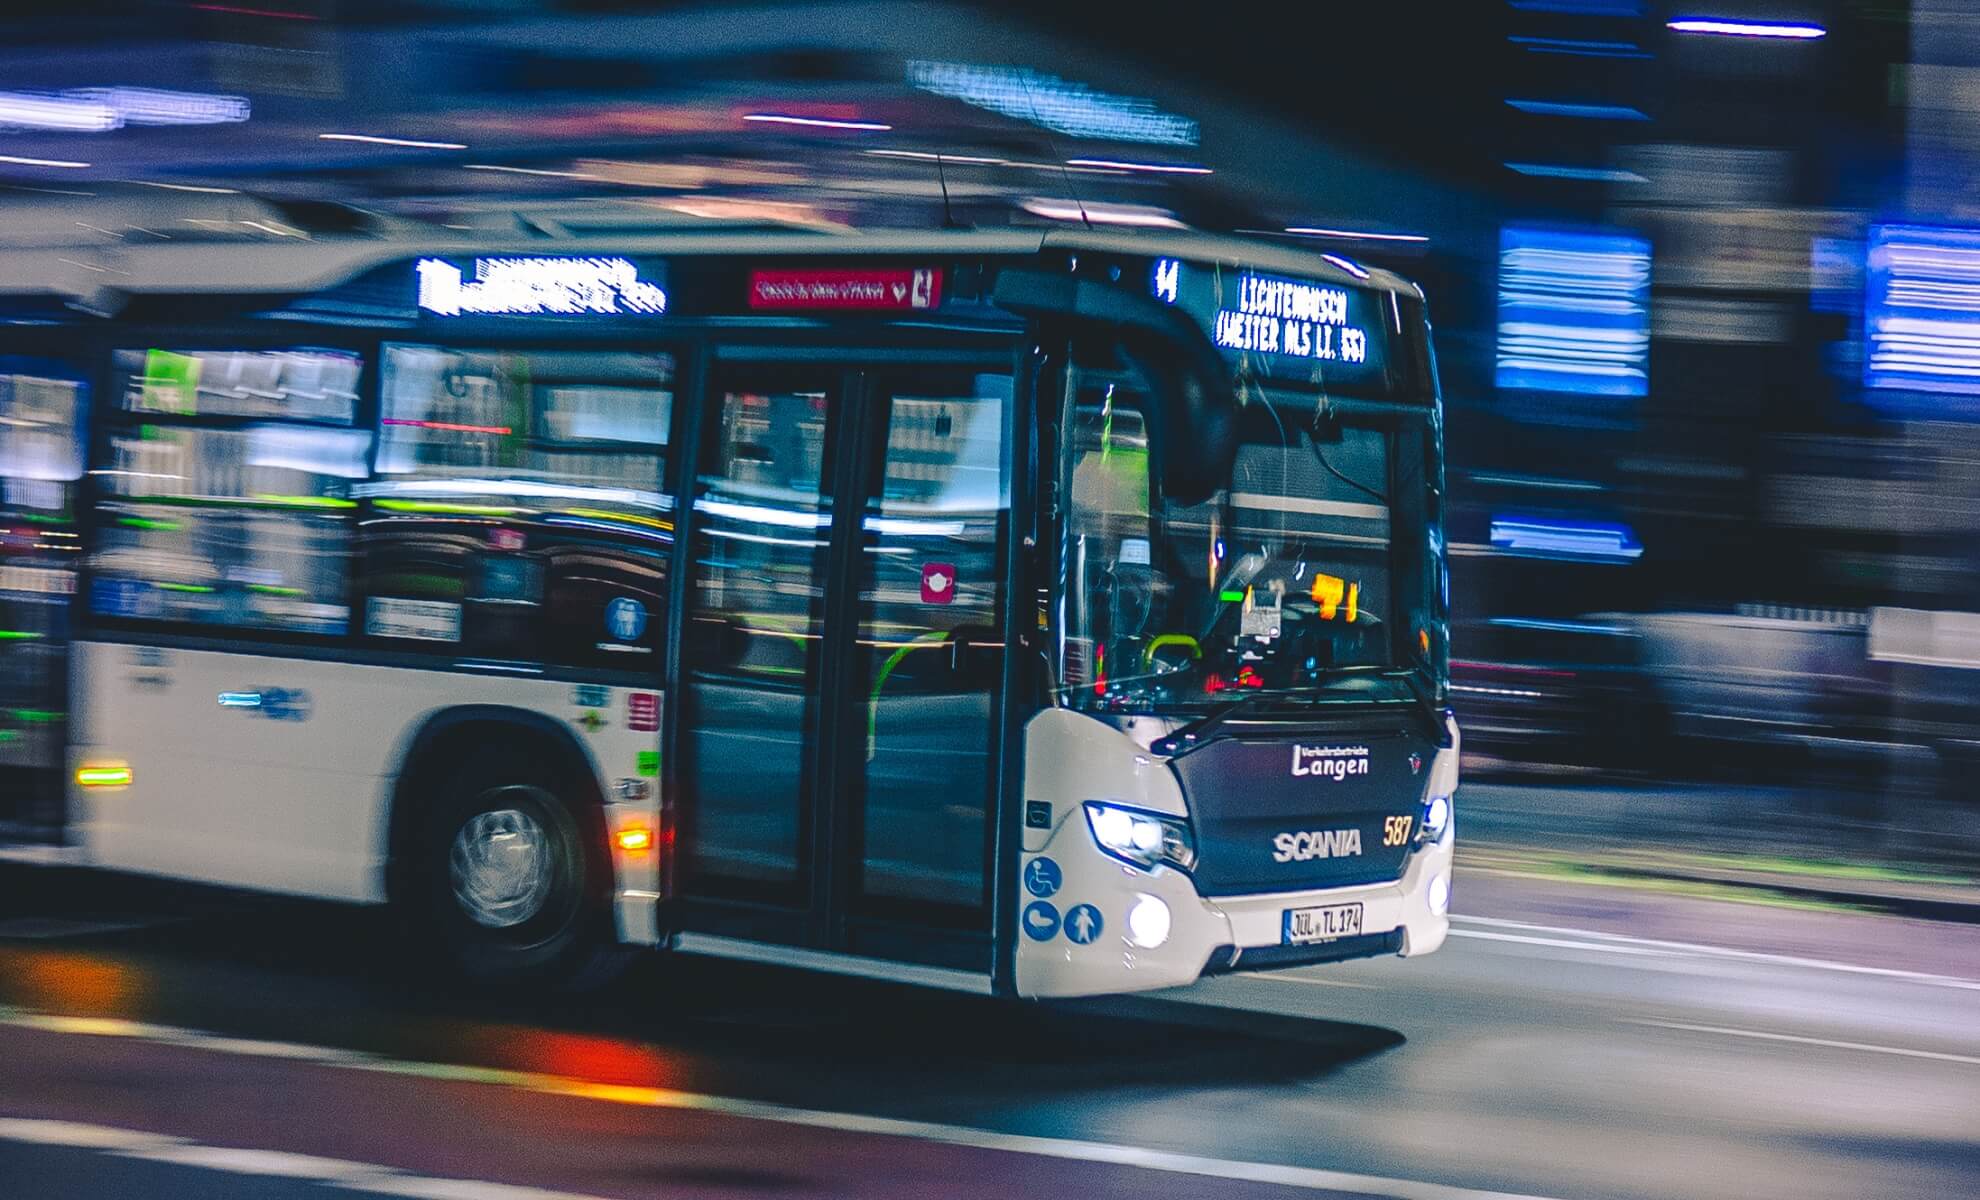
x: 1223, y: 934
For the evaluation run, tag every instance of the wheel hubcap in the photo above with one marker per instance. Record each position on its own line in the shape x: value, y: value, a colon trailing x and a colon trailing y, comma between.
x: 501, y: 868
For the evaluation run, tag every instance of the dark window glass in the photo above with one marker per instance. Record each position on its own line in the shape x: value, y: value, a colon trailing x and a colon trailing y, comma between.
x: 930, y: 650
x: 244, y: 525
x: 520, y: 504
x: 752, y: 638
x: 41, y: 457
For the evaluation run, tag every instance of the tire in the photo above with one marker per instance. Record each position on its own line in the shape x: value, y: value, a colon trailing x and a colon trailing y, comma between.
x: 510, y: 881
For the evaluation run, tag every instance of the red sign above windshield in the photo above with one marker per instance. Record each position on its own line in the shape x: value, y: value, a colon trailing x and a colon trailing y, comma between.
x: 869, y: 289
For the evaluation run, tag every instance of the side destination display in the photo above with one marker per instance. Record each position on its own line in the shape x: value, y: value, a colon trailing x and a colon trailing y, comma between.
x: 539, y: 286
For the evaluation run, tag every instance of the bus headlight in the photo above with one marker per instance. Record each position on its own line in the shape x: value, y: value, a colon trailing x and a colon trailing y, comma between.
x: 1148, y: 921
x: 1140, y: 839
x: 1439, y: 894
x: 1436, y: 818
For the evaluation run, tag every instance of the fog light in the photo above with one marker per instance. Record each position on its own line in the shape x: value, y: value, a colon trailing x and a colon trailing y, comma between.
x: 1148, y: 922
x: 1439, y: 894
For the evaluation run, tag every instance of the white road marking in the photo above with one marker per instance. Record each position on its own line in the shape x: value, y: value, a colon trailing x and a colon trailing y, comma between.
x: 1310, y: 1178
x: 257, y: 1162
x: 421, y: 1188
x: 82, y: 1137
x: 1622, y: 943
x: 334, y: 1172
x: 1766, y: 1036
x: 1563, y: 943
x: 1314, y: 980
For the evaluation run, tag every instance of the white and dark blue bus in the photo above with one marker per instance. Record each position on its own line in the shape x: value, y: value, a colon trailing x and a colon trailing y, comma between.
x: 1037, y: 613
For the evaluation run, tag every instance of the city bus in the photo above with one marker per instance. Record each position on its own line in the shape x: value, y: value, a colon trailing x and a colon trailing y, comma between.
x: 1041, y: 613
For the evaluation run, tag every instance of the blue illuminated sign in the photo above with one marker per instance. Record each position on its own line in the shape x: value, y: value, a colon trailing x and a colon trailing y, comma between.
x: 1574, y: 312
x: 546, y: 286
x: 1537, y: 537
x: 1069, y: 108
x: 1922, y: 310
x: 1325, y: 325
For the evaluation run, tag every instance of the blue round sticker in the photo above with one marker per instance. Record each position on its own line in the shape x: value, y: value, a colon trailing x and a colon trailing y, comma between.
x: 1042, y: 877
x: 625, y: 618
x: 1083, y: 924
x: 1041, y: 921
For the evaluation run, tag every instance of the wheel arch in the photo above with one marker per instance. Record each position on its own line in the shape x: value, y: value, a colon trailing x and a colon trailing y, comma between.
x: 446, y: 735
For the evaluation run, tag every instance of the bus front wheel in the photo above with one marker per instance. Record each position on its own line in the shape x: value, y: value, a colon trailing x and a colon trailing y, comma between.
x: 509, y: 891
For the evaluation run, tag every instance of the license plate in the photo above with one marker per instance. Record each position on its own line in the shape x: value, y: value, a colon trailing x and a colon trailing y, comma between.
x: 1304, y: 926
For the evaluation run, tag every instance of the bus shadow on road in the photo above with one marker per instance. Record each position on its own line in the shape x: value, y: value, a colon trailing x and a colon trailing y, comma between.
x: 902, y: 1037
x: 321, y: 973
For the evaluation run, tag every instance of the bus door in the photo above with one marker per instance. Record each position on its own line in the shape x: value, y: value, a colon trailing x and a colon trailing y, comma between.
x: 842, y: 655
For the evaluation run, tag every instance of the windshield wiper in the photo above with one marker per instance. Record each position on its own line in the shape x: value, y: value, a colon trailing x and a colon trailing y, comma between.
x: 1194, y: 734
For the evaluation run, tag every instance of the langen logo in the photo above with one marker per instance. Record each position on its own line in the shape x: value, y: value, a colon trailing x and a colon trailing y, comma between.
x: 1307, y: 844
x: 1332, y: 762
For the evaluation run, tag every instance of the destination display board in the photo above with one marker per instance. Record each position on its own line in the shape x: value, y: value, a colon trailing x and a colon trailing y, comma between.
x: 1297, y: 327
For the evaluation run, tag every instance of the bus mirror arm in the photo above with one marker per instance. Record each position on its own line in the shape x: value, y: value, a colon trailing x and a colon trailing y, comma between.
x: 1193, y: 425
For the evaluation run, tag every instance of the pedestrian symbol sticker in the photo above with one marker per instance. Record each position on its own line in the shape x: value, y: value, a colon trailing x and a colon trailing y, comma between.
x: 1042, y: 877
x: 625, y: 618
x: 1041, y: 921
x: 1082, y: 924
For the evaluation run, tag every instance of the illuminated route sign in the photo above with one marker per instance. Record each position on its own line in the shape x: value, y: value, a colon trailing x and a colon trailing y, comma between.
x: 1295, y: 325
x: 538, y: 286
x: 846, y: 288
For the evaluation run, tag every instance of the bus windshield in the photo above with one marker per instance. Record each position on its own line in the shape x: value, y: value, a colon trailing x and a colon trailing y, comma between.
x: 1302, y: 572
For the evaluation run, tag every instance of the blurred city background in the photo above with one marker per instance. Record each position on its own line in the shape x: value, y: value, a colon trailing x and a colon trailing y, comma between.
x: 1707, y: 291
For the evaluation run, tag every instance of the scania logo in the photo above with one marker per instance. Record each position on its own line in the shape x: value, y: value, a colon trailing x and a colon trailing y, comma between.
x: 1307, y: 844
x: 1332, y: 762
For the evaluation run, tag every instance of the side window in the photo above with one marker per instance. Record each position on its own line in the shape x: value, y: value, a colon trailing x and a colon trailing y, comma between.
x: 1109, y: 530
x: 521, y: 504
x: 41, y: 457
x: 226, y: 489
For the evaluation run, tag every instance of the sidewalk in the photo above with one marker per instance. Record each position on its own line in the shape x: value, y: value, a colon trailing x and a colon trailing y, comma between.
x: 1772, y: 845
x: 1755, y: 880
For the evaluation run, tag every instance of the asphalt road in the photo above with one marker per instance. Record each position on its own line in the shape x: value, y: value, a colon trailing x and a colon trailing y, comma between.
x: 1571, y: 1041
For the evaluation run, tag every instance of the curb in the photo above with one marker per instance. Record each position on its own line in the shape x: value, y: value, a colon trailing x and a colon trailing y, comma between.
x: 1924, y: 901
x: 1918, y: 903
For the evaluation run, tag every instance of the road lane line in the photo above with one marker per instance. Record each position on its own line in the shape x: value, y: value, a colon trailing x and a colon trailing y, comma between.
x: 235, y: 1161
x: 1704, y: 951
x: 83, y: 1137
x: 1766, y: 1036
x: 1563, y: 943
x: 1307, y: 1178
x: 1282, y: 977
x: 331, y: 1172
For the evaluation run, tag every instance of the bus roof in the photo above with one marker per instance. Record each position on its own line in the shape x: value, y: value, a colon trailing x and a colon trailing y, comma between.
x: 95, y: 274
